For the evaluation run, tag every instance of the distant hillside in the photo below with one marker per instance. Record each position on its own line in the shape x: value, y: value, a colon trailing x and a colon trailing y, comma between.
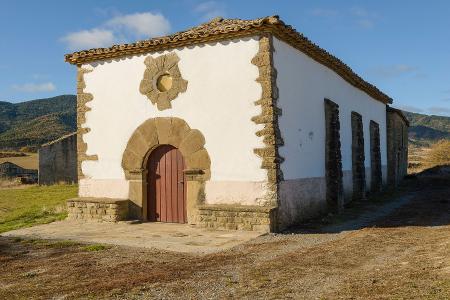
x: 33, y: 123
x: 36, y: 122
x: 426, y: 129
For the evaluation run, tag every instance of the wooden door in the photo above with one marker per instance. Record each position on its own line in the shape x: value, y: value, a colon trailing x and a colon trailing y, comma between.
x: 166, y: 187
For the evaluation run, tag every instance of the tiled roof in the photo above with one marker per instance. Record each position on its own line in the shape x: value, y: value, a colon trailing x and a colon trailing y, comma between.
x: 223, y: 29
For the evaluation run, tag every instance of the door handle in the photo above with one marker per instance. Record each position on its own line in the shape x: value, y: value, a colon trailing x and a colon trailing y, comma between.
x: 182, y: 182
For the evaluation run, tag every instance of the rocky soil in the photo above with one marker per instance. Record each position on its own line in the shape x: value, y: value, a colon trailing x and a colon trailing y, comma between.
x: 396, y: 246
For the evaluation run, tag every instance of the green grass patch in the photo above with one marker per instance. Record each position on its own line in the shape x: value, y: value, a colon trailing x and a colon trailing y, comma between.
x: 54, y: 244
x: 95, y: 247
x: 35, y: 205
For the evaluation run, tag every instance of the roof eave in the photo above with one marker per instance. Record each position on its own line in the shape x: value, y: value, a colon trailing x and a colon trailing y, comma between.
x: 271, y: 25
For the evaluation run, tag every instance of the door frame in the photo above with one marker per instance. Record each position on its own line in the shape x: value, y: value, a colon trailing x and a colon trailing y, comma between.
x: 166, y: 131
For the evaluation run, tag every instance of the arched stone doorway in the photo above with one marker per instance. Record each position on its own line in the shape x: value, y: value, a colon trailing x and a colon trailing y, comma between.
x: 166, y: 189
x: 149, y: 136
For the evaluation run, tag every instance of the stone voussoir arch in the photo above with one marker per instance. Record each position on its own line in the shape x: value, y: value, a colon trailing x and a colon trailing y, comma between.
x: 166, y: 131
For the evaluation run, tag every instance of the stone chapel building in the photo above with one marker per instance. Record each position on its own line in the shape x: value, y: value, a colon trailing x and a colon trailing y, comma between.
x: 234, y: 124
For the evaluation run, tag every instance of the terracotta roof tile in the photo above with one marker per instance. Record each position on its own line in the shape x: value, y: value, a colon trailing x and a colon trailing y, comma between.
x: 223, y: 29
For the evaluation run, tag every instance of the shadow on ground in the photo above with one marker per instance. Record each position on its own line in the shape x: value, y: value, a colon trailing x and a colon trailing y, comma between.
x: 399, y: 253
x: 420, y: 200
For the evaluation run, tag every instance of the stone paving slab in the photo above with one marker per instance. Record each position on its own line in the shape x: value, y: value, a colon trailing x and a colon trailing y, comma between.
x: 163, y: 236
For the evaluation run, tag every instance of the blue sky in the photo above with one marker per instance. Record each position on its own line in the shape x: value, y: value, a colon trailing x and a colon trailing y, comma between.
x: 403, y: 47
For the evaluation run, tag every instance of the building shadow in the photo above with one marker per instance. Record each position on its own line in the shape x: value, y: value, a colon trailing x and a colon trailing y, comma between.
x: 420, y: 200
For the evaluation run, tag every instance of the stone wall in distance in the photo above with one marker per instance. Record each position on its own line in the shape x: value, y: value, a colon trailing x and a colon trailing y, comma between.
x: 397, y: 146
x: 58, y: 161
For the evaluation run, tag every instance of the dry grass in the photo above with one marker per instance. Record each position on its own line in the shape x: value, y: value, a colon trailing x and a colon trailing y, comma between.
x: 417, y: 158
x: 30, y: 161
x: 11, y: 183
x: 439, y: 154
x: 404, y: 255
x: 11, y: 154
x: 421, y: 158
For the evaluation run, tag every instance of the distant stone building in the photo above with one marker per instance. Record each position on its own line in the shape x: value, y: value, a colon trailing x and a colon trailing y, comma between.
x: 58, y: 161
x: 10, y: 170
x: 236, y: 124
x: 397, y: 145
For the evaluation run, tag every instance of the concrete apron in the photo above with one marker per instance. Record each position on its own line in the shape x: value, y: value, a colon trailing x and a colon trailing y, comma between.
x: 163, y: 236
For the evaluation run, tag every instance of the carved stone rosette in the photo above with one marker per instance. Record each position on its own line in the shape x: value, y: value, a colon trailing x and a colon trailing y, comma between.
x: 166, y: 67
x: 269, y: 117
x: 82, y: 108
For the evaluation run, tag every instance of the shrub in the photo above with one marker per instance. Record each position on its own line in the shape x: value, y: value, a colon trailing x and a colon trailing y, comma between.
x: 95, y: 247
x: 439, y: 154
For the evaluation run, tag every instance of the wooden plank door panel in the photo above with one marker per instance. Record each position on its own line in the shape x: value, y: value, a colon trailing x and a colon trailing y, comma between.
x: 166, y: 189
x: 173, y: 185
x: 162, y: 184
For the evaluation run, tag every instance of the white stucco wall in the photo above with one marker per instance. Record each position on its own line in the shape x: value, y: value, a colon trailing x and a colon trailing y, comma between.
x: 219, y: 101
x: 303, y: 85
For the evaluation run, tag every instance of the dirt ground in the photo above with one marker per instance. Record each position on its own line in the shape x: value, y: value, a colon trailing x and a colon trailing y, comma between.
x: 403, y: 254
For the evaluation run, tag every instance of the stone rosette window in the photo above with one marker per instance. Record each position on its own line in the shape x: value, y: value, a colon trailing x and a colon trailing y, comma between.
x: 162, y: 80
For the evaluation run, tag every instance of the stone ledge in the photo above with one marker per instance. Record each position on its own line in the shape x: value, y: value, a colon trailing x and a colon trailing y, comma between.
x: 98, y: 209
x: 237, y: 217
x: 98, y: 200
x: 236, y: 208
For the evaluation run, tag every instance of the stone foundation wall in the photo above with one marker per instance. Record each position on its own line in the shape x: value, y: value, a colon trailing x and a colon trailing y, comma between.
x: 98, y: 209
x: 301, y: 199
x: 253, y: 218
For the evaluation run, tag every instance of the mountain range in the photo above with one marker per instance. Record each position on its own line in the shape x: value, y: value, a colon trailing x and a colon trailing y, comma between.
x: 33, y: 123
x: 36, y: 122
x: 427, y: 129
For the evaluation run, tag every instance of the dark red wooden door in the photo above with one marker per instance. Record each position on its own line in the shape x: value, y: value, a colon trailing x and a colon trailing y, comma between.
x: 166, y: 188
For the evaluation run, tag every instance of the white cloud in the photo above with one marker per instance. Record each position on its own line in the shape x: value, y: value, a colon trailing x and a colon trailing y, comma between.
x: 364, y: 18
x: 121, y: 28
x: 94, y: 38
x: 360, y: 12
x: 435, y: 110
x: 210, y: 9
x: 39, y: 76
x: 439, y: 110
x: 365, y: 23
x: 323, y: 12
x: 141, y: 24
x: 393, y: 70
x: 35, y: 87
x: 410, y: 108
x: 447, y: 96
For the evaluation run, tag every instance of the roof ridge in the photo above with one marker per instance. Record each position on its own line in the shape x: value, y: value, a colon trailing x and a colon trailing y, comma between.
x: 219, y: 29
x: 218, y: 22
